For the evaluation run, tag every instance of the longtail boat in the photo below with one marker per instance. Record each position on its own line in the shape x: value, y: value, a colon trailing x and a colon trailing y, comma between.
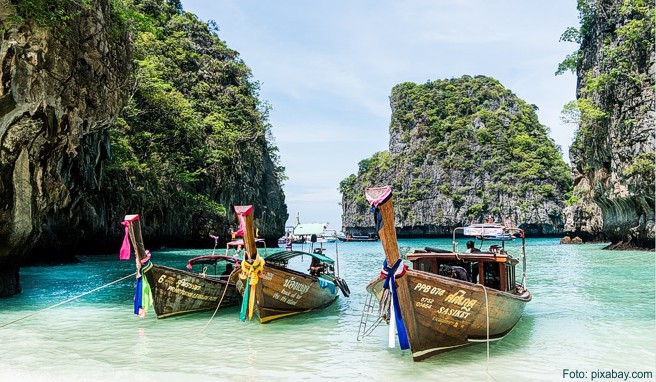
x: 174, y: 291
x: 448, y: 299
x: 272, y: 290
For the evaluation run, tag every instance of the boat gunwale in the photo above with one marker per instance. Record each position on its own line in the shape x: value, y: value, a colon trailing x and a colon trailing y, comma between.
x: 473, y: 287
x: 280, y: 256
x: 300, y: 273
x: 198, y: 259
x: 212, y: 278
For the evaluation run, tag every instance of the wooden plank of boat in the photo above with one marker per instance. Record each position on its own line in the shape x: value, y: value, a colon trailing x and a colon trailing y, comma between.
x: 442, y: 313
x: 284, y: 292
x: 176, y: 291
x: 280, y: 291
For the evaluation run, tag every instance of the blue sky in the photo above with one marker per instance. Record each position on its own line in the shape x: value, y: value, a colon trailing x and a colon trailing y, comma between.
x: 327, y: 68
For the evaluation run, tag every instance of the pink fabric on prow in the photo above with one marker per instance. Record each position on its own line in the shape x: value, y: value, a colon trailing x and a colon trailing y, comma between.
x: 242, y: 226
x: 387, y: 190
x: 242, y: 220
x: 247, y: 210
x: 124, y: 253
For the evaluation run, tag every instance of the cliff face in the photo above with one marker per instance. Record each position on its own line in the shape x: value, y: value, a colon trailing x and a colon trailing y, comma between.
x: 98, y: 122
x: 613, y: 152
x: 58, y: 96
x: 461, y: 150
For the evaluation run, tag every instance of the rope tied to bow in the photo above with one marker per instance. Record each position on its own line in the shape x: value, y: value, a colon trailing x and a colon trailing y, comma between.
x: 390, y: 274
x: 251, y: 272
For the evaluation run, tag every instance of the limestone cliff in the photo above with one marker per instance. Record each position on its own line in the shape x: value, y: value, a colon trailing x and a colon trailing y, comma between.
x: 60, y: 91
x: 102, y: 116
x: 613, y: 152
x: 460, y: 150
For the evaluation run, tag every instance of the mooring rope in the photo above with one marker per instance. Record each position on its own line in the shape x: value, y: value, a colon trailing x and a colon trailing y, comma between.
x: 221, y: 300
x: 69, y: 300
x: 487, y: 318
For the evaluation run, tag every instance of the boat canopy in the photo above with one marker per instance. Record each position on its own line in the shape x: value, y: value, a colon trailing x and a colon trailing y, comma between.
x: 286, y: 255
x: 309, y: 229
x: 488, y: 231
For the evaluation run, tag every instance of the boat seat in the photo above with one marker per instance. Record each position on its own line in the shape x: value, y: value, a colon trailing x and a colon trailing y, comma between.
x: 437, y: 250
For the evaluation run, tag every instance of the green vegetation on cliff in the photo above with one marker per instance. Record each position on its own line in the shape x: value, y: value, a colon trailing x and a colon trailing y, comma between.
x: 193, y: 121
x: 58, y: 15
x: 463, y: 147
x: 619, y: 74
x: 51, y: 14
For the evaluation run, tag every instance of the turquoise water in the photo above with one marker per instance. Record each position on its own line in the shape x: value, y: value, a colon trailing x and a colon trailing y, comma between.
x: 592, y: 311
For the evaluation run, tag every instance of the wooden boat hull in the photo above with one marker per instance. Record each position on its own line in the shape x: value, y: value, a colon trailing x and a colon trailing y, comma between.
x: 177, y: 292
x: 441, y: 313
x: 284, y: 292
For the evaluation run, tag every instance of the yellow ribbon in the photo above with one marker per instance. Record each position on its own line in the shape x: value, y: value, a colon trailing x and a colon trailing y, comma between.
x: 253, y: 270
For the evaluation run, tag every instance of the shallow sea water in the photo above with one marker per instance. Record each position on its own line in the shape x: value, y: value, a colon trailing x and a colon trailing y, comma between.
x: 592, y: 311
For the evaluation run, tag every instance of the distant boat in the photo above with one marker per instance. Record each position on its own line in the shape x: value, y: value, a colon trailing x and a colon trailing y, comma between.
x: 175, y: 291
x: 290, y: 238
x: 349, y: 237
x: 314, y: 233
x: 449, y: 298
x: 272, y: 291
x: 327, y: 236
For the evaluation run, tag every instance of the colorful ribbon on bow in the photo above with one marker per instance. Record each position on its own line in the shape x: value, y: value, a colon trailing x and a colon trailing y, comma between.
x: 390, y: 274
x: 142, y: 295
x: 124, y: 253
x: 378, y: 218
x: 251, y: 272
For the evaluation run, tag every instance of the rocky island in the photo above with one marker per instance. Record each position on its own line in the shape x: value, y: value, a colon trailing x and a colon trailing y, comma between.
x: 462, y: 149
